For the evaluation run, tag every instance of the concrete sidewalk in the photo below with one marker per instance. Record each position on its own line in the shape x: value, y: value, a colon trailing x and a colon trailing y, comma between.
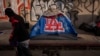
x: 84, y: 39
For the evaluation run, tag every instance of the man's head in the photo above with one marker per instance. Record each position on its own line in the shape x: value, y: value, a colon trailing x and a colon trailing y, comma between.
x: 9, y: 12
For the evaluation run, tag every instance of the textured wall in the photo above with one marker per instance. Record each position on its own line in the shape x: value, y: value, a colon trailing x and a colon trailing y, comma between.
x: 31, y: 10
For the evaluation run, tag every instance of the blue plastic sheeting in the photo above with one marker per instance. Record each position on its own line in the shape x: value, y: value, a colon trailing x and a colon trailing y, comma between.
x: 52, y: 25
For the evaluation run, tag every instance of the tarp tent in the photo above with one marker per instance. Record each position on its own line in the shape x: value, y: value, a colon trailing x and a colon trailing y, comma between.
x: 53, y: 26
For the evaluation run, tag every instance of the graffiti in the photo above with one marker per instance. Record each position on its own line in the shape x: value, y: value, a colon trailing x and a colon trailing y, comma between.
x: 71, y: 8
x: 43, y: 5
x: 38, y: 7
x: 23, y: 7
x: 78, y: 4
x: 3, y: 5
x: 87, y: 4
x: 35, y: 8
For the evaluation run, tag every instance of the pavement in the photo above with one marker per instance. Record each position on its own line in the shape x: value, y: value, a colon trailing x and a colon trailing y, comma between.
x: 84, y: 39
x: 62, y: 53
x: 86, y: 45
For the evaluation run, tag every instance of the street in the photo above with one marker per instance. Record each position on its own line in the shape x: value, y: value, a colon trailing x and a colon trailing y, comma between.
x: 62, y: 53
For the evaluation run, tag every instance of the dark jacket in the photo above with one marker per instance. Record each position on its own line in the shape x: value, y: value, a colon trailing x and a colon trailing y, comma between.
x: 19, y: 32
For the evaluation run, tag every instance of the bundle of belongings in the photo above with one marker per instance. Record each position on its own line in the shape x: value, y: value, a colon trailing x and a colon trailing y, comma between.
x: 53, y: 25
x: 92, y: 28
x: 1, y: 32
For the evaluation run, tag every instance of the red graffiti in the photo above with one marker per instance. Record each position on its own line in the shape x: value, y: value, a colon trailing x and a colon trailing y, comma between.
x: 22, y: 4
x: 2, y: 15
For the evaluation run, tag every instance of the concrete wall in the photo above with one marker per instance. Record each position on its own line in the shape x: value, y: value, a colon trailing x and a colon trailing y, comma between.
x: 32, y: 9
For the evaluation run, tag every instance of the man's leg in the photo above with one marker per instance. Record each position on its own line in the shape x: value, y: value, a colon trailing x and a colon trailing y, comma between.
x: 25, y: 48
x: 19, y: 50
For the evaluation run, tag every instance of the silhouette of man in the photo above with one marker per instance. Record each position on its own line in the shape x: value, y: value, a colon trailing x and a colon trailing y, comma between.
x: 19, y: 37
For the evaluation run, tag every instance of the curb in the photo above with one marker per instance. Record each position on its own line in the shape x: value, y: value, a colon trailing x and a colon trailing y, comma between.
x: 58, y: 47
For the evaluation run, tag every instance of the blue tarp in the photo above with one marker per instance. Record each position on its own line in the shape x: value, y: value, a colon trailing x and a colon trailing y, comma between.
x: 53, y: 25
